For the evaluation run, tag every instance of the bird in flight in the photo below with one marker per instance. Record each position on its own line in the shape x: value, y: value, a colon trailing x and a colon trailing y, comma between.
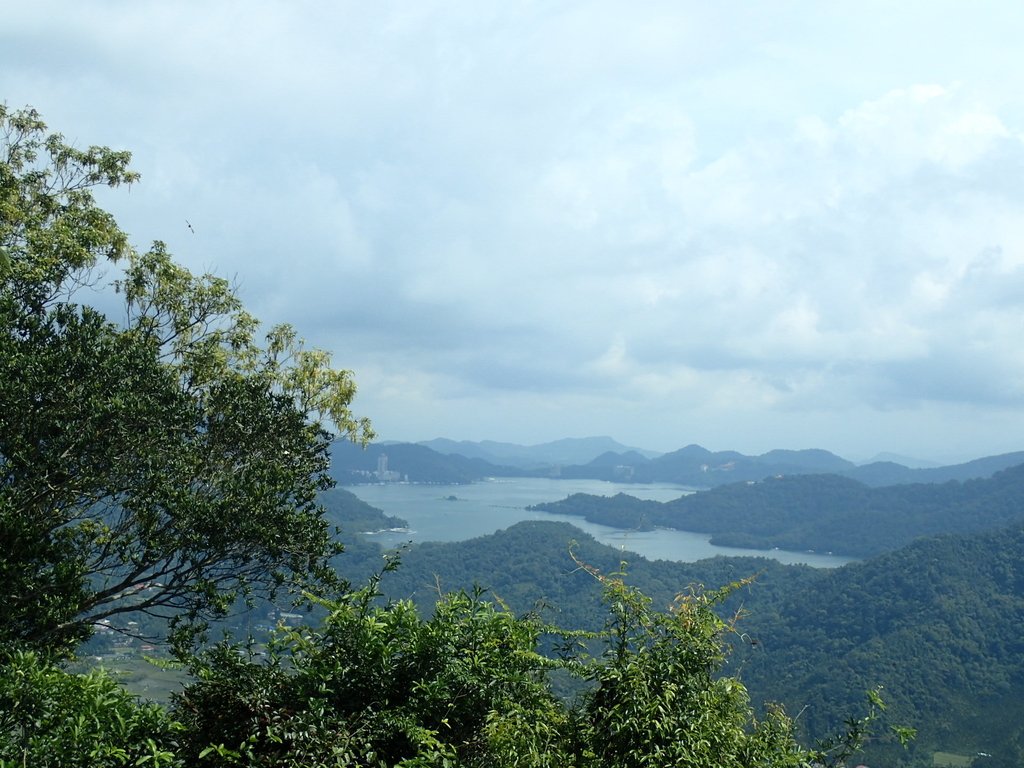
x: 189, y: 225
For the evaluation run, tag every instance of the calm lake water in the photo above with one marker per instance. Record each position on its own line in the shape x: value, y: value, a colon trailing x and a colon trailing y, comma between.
x: 482, y: 508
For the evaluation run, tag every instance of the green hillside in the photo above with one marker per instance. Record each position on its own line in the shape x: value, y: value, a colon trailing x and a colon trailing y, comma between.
x: 936, y: 623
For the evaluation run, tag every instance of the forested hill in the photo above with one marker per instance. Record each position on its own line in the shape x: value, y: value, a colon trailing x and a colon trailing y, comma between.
x: 529, y: 565
x: 819, y: 512
x: 351, y: 515
x: 938, y: 623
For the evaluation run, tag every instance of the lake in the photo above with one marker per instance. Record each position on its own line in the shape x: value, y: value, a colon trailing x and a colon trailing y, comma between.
x: 482, y: 508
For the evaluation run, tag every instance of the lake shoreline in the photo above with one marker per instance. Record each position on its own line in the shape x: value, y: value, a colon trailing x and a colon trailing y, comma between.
x: 485, y: 507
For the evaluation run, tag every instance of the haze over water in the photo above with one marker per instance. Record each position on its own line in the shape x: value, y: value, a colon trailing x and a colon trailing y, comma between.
x: 482, y: 508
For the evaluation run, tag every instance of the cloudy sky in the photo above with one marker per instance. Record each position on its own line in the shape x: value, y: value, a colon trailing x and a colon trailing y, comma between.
x: 783, y: 224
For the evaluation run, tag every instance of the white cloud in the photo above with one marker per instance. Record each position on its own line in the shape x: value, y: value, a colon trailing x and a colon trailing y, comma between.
x: 682, y: 220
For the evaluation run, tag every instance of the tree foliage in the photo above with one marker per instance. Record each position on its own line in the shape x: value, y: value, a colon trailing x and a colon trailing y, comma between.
x: 168, y: 463
x: 469, y: 686
x: 50, y: 718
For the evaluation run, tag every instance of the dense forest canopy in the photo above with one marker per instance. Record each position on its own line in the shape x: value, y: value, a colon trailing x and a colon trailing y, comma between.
x: 935, y: 623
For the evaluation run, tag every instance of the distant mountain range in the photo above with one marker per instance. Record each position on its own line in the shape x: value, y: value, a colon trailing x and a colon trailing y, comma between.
x: 571, y: 450
x: 601, y: 458
x: 378, y: 462
x: 700, y: 468
x: 906, y: 461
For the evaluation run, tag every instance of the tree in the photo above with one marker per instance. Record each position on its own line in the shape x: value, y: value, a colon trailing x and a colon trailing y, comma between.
x: 168, y: 464
x: 50, y: 718
x: 659, y: 697
x: 379, y: 686
x: 375, y: 686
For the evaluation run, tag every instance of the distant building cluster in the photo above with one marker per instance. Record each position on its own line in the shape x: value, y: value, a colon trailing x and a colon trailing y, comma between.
x: 383, y: 474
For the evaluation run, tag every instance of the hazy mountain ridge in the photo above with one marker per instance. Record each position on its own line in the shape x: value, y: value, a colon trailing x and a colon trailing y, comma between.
x: 890, y: 473
x: 898, y: 458
x: 571, y: 450
x: 351, y: 463
x: 698, y: 467
x: 692, y: 466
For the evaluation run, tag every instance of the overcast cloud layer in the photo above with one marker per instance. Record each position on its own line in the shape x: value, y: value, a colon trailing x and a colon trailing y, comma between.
x: 791, y: 225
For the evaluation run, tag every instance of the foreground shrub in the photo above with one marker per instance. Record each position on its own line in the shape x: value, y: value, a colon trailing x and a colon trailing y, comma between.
x: 51, y: 717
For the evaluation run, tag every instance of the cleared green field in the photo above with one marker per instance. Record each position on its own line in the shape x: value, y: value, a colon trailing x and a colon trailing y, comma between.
x: 143, y: 675
x: 951, y: 760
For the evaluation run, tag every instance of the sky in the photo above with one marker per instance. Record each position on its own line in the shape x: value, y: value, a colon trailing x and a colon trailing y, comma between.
x: 750, y: 226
